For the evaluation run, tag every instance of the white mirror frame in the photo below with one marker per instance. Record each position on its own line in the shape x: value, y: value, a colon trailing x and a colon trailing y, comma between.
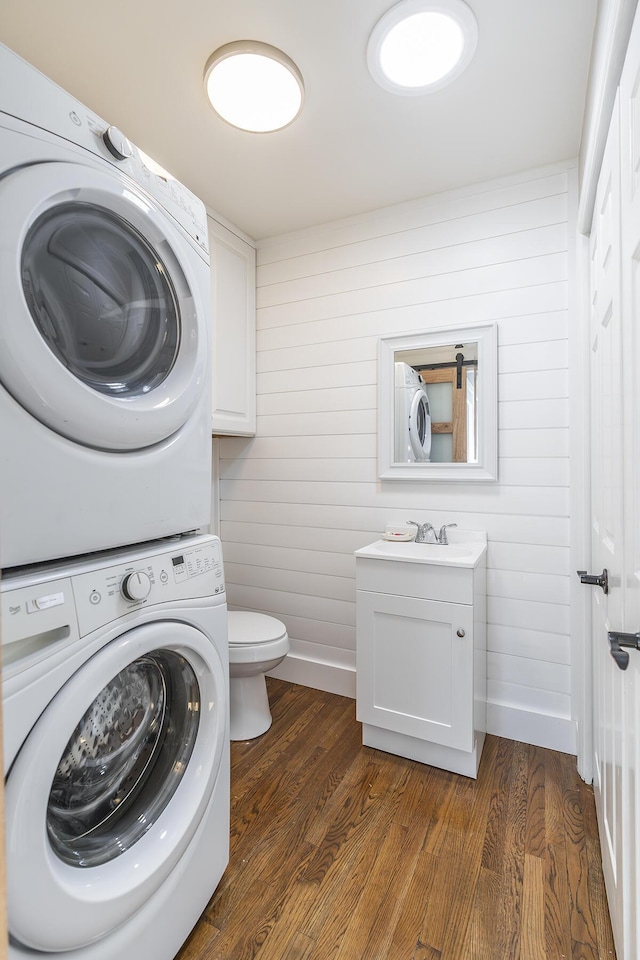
x: 486, y: 469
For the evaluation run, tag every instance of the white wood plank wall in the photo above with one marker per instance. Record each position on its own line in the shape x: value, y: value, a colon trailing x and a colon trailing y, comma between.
x: 297, y: 500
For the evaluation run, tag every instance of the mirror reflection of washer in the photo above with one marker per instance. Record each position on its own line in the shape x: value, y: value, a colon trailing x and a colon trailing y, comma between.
x: 412, y: 416
x: 116, y: 749
x: 104, y: 334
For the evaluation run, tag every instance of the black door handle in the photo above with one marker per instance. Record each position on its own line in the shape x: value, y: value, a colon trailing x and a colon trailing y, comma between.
x: 597, y: 580
x: 619, y: 640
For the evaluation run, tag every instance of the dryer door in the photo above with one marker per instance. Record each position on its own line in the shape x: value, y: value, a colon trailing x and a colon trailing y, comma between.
x: 103, y: 331
x: 420, y: 426
x: 111, y: 784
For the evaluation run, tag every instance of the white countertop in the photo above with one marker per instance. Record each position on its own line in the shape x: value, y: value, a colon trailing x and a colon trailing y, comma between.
x: 467, y: 554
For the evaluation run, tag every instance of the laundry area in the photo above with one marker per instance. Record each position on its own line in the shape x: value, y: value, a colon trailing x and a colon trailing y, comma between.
x: 319, y: 497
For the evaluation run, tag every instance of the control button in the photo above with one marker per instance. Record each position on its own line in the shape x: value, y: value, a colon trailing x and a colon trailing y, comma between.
x: 73, y: 116
x: 95, y: 597
x: 164, y: 576
x: 136, y: 586
x: 117, y: 144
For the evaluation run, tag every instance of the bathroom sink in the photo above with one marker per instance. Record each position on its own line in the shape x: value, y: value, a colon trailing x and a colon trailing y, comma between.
x: 452, y: 554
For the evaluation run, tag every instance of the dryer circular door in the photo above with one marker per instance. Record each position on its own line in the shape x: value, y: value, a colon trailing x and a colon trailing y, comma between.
x: 420, y: 425
x: 111, y: 784
x: 103, y: 331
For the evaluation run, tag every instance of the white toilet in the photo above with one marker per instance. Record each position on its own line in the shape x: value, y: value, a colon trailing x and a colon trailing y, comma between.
x: 257, y: 643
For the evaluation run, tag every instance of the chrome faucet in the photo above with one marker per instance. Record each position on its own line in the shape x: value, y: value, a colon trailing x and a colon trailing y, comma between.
x: 425, y: 532
x: 442, y: 536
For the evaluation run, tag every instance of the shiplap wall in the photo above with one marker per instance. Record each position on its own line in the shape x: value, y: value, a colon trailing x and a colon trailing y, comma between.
x: 297, y: 500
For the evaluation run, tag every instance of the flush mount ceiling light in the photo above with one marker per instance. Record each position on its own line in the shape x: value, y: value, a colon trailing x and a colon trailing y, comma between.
x: 254, y: 86
x: 421, y: 45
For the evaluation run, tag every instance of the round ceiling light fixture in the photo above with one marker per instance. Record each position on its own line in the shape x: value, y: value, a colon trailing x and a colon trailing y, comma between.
x: 254, y: 86
x: 419, y: 46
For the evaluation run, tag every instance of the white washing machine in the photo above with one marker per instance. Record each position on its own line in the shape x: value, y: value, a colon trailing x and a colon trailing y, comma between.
x: 116, y: 750
x: 105, y: 413
x: 412, y: 416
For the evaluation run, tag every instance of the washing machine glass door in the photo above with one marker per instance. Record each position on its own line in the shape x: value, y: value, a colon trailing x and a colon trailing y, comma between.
x: 103, y: 333
x: 111, y: 784
x: 420, y: 426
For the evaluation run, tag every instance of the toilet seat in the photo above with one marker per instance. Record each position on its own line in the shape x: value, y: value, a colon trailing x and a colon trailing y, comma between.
x: 245, y: 627
x: 255, y: 637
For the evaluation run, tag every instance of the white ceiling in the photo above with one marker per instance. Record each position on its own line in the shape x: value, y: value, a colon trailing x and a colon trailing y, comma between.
x: 355, y: 147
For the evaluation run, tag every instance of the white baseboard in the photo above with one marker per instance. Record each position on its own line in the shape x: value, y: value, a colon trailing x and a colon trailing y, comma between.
x: 324, y: 668
x: 312, y: 665
x: 555, y: 733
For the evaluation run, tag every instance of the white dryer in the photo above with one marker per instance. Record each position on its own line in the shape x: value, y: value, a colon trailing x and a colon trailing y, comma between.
x: 412, y: 416
x: 116, y: 750
x: 105, y: 415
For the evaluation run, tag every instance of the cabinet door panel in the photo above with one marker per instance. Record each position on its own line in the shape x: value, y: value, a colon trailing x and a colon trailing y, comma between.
x: 233, y: 333
x: 414, y: 673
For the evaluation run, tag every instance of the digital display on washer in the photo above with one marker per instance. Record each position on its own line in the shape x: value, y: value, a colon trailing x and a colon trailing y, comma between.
x: 176, y: 561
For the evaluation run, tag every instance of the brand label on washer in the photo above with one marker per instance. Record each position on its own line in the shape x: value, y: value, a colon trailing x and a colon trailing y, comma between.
x: 44, y: 603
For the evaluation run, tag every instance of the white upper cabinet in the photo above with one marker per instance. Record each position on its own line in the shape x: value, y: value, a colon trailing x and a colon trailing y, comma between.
x: 233, y: 301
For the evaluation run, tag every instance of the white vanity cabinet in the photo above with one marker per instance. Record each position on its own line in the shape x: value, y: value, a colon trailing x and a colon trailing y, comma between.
x: 421, y: 652
x: 233, y: 303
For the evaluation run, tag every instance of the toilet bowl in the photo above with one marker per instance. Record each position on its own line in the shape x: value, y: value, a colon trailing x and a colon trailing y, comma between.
x: 257, y: 643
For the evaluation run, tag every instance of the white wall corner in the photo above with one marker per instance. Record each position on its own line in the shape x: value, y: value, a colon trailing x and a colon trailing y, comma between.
x: 579, y: 525
x: 611, y: 38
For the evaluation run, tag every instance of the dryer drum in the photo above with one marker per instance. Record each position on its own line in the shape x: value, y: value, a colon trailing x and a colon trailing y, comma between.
x: 101, y: 299
x: 124, y: 760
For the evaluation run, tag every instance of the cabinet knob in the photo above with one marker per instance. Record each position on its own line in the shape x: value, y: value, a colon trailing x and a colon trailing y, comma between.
x: 460, y: 633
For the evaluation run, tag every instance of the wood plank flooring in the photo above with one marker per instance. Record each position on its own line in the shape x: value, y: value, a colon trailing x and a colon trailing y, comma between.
x: 342, y: 852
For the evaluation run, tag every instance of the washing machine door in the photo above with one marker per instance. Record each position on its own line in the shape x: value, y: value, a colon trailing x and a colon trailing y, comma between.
x: 111, y: 784
x: 103, y: 331
x: 420, y: 426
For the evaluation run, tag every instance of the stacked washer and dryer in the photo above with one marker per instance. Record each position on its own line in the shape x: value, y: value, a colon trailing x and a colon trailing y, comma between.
x: 113, y: 618
x: 412, y: 420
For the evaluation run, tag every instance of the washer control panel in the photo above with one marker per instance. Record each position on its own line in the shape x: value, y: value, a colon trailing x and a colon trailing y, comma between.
x: 192, y: 570
x: 76, y: 598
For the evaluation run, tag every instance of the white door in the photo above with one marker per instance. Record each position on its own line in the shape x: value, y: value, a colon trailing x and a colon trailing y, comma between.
x: 615, y: 507
x: 630, y: 623
x: 606, y: 513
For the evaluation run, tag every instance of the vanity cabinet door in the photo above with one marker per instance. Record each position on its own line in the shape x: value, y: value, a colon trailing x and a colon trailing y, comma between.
x: 415, y: 667
x: 233, y: 304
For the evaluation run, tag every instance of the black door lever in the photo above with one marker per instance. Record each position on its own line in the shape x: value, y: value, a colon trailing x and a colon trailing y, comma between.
x: 596, y: 580
x: 619, y: 640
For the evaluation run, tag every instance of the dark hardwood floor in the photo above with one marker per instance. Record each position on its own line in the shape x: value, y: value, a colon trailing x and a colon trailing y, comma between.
x: 341, y: 852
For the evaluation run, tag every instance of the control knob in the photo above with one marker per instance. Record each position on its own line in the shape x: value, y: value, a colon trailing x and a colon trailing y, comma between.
x: 136, y: 586
x: 117, y: 144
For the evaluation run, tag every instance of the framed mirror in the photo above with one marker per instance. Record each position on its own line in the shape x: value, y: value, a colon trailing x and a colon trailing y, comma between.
x: 437, y: 405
